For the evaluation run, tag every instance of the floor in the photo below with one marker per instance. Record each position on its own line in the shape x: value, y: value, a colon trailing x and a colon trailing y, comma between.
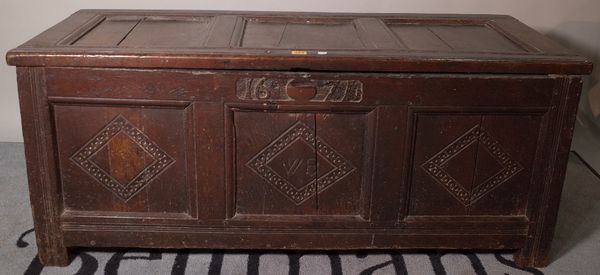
x: 576, y: 249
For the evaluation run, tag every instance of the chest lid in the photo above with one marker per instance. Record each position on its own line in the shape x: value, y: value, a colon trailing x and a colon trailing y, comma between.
x: 298, y: 41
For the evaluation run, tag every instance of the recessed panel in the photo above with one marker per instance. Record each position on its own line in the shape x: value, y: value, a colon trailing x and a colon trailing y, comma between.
x: 433, y: 36
x: 169, y: 32
x: 275, y: 163
x: 305, y: 164
x: 472, y: 164
x: 109, y: 32
x: 124, y: 160
x: 301, y: 35
x: 147, y: 32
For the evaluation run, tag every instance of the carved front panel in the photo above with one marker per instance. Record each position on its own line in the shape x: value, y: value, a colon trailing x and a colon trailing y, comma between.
x: 281, y: 161
x: 503, y: 165
x: 121, y: 159
x: 131, y: 159
x: 472, y: 164
x: 299, y: 163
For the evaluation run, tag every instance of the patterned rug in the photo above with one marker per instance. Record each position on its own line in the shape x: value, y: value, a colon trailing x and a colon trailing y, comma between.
x: 576, y: 248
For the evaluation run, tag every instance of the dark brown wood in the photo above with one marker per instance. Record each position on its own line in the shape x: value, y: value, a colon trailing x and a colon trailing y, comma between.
x: 309, y: 41
x: 180, y: 129
x: 545, y: 211
x: 41, y: 167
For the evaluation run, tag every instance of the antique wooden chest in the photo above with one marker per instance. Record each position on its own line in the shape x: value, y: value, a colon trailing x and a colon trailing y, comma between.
x: 257, y: 130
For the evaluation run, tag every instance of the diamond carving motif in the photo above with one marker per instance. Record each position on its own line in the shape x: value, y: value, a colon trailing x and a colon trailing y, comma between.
x: 434, y: 166
x: 121, y: 128
x: 262, y: 163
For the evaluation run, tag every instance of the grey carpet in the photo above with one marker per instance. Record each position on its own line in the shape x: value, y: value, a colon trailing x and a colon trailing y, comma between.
x: 576, y: 249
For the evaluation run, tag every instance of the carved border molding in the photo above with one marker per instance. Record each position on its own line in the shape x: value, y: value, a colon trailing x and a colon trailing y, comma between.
x: 275, y: 89
x: 128, y: 190
x: 434, y: 166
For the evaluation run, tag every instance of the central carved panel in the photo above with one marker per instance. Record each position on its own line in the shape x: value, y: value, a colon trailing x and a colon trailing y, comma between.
x: 299, y: 164
x: 122, y: 158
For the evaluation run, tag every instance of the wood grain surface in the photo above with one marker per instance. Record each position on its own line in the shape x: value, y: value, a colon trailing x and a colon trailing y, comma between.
x: 261, y: 130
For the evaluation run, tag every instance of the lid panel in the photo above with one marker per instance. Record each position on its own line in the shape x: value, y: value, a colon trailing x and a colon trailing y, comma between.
x: 109, y: 32
x: 320, y: 36
x: 455, y: 36
x: 300, y: 34
x: 262, y: 34
x: 179, y: 32
x: 419, y: 38
x: 475, y: 39
x: 307, y: 41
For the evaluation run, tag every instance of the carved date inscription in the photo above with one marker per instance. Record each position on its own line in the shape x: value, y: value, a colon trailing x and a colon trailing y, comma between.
x: 276, y: 89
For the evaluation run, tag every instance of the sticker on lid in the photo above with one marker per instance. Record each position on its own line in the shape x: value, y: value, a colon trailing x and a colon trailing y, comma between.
x: 299, y: 52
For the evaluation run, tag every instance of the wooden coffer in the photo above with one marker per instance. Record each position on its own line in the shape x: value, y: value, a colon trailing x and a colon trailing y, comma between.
x: 254, y: 130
